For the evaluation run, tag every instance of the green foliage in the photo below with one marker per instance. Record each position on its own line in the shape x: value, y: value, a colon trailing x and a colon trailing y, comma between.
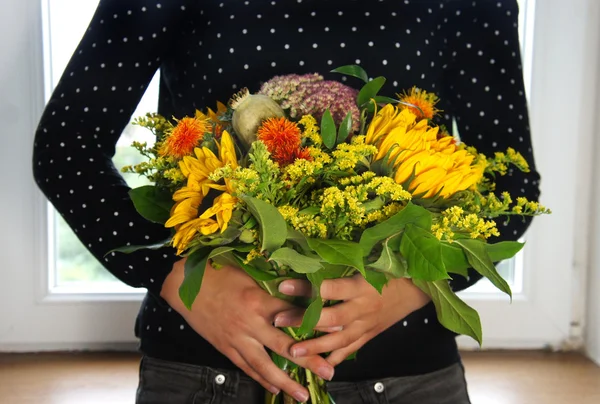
x: 410, y: 214
x: 423, y: 252
x: 128, y: 249
x: 369, y: 91
x: 377, y: 279
x: 354, y: 71
x: 388, y: 262
x: 152, y: 203
x: 328, y: 131
x: 452, y: 312
x: 339, y: 252
x: 295, y: 261
x: 345, y: 129
x: 195, y: 266
x: 313, y: 312
x: 273, y: 228
x: 482, y: 263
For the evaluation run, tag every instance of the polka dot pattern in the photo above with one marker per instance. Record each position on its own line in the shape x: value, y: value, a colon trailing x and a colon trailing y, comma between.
x: 467, y: 51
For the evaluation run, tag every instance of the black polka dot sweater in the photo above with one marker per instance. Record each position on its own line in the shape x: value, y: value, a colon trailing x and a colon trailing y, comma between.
x: 466, y: 51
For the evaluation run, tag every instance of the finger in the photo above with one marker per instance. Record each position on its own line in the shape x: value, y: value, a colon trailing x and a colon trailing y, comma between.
x: 241, y: 363
x: 296, y: 287
x: 255, y: 355
x: 340, y: 355
x: 293, y: 318
x: 341, y: 289
x: 327, y: 343
x: 331, y: 317
x: 329, y: 330
x: 289, y: 318
x: 280, y: 343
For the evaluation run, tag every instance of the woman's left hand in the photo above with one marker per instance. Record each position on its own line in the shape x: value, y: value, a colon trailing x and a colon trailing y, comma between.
x: 362, y: 314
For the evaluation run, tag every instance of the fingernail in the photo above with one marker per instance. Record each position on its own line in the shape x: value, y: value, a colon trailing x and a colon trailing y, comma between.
x: 281, y: 321
x: 297, y: 352
x: 286, y: 288
x: 301, y: 396
x: 325, y: 372
x: 274, y: 390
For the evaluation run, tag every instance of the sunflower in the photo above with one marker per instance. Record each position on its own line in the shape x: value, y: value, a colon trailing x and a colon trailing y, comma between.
x: 185, y: 217
x: 185, y: 136
x: 425, y: 164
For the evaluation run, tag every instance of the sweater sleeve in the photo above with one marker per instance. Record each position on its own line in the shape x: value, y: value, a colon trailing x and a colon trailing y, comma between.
x: 485, y: 89
x: 78, y: 131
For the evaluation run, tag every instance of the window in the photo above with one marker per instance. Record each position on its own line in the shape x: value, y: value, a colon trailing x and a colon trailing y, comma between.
x: 72, y: 267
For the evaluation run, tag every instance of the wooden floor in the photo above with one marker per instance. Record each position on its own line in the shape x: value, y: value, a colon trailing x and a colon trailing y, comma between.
x: 493, y: 378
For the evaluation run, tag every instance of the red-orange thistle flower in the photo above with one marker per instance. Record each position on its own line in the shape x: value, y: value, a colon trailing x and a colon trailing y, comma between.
x: 184, y: 137
x: 282, y: 138
x: 424, y: 103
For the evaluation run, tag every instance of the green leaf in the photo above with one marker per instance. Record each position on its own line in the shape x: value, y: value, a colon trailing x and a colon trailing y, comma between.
x: 380, y: 99
x: 328, y: 130
x: 354, y: 71
x: 311, y: 316
x: 455, y: 260
x: 255, y: 273
x: 339, y: 252
x: 423, y: 252
x: 481, y: 262
x: 345, y: 129
x: 193, y: 274
x: 452, y: 312
x: 282, y: 363
x: 298, y: 238
x: 503, y: 250
x: 412, y: 213
x: 331, y: 271
x: 377, y: 279
x: 388, y: 262
x: 297, y: 262
x: 370, y: 90
x: 313, y: 312
x: 311, y: 210
x: 230, y: 234
x: 273, y: 229
x: 128, y: 249
x: 151, y: 203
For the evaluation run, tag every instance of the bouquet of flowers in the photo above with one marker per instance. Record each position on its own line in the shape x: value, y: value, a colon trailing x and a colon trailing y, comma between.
x: 315, y: 180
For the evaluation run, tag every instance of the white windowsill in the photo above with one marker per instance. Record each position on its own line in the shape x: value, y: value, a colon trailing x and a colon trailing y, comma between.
x: 94, y: 292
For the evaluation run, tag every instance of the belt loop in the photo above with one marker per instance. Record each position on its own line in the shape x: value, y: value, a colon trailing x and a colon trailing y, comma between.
x: 232, y: 383
x: 205, y: 379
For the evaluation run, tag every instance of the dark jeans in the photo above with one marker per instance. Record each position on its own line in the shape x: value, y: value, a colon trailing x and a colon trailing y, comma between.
x: 164, y: 382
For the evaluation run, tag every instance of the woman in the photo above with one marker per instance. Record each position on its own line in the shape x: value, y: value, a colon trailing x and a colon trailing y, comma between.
x: 465, y: 51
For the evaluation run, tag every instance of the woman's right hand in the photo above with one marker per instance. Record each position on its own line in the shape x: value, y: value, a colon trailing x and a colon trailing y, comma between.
x: 236, y: 316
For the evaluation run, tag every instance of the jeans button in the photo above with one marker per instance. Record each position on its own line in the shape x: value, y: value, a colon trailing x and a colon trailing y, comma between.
x: 220, y: 379
x: 379, y: 387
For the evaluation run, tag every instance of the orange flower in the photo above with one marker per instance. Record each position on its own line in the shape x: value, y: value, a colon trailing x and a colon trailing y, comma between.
x: 424, y: 103
x: 214, y: 117
x: 184, y: 137
x: 283, y: 139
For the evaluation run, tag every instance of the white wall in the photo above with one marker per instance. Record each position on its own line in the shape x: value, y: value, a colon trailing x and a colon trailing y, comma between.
x: 593, y: 301
x: 593, y: 304
x: 26, y: 321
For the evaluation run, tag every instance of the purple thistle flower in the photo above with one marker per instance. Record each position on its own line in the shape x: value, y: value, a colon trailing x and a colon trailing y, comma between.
x: 309, y: 94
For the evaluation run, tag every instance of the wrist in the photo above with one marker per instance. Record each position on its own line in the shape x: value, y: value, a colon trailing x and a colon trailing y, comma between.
x: 170, y: 287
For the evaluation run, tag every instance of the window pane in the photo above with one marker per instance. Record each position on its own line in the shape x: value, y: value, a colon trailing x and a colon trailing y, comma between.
x: 73, y: 263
